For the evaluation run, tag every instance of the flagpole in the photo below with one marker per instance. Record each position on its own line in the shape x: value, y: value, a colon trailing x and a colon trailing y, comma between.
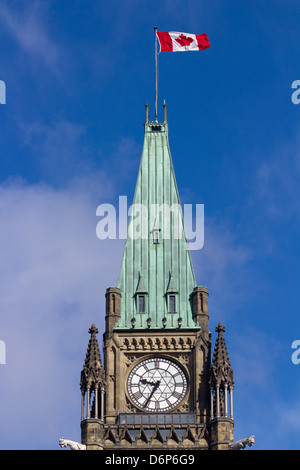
x: 156, y: 87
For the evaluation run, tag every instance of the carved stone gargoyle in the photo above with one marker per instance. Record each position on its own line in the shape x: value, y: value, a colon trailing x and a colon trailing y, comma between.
x: 242, y: 443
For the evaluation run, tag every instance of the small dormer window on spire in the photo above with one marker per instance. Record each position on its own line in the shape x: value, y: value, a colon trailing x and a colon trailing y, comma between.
x: 171, y: 295
x: 172, y: 303
x: 141, y: 304
x: 155, y: 232
x: 155, y: 237
x: 141, y: 296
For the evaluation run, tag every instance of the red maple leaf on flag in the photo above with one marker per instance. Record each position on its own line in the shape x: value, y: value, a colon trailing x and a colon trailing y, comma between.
x: 184, y: 40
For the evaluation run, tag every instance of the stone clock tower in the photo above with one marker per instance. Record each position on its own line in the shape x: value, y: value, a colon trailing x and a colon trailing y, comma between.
x: 159, y: 385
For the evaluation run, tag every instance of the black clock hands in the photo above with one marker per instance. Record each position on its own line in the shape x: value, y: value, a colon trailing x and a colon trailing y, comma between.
x: 155, y: 387
x: 146, y: 382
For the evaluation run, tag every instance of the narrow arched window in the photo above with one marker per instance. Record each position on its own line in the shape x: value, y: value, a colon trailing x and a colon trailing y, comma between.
x: 201, y: 301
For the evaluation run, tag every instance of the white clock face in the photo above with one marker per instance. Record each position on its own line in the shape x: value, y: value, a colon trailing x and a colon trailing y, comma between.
x: 157, y: 384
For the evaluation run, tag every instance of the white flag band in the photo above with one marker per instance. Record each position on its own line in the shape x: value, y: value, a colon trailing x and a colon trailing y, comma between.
x: 174, y: 41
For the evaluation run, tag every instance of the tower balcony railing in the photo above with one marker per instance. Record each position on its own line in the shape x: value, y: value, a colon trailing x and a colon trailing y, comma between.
x: 156, y: 419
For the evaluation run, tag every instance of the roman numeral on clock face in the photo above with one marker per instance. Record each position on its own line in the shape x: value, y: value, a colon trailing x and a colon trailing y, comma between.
x: 137, y: 395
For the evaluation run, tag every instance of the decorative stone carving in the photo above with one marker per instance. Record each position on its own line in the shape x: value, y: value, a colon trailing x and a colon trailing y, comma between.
x: 130, y: 359
x: 72, y: 444
x: 144, y: 343
x: 241, y: 444
x: 184, y: 359
x: 92, y: 374
x: 129, y: 406
x: 183, y: 408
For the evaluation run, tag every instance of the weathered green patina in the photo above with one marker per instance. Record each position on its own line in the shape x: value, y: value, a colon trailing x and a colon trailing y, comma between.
x: 156, y: 265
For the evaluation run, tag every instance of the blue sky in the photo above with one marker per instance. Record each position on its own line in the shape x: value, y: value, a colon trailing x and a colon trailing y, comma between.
x: 77, y: 76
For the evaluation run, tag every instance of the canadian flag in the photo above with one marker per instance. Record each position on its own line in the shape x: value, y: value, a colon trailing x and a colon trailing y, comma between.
x: 173, y: 41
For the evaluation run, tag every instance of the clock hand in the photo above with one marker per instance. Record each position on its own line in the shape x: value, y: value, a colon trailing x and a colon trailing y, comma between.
x: 144, y: 382
x: 156, y: 385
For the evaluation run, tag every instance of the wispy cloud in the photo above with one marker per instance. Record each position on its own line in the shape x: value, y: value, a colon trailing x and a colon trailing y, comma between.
x: 223, y: 265
x: 255, y: 355
x: 289, y: 414
x: 53, y: 276
x: 64, y: 155
x: 58, y: 145
x: 25, y: 21
x: 278, y: 181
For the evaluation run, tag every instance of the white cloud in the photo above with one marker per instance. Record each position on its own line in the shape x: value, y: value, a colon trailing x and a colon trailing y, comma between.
x: 62, y: 153
x: 223, y: 266
x: 277, y: 182
x: 58, y: 149
x: 26, y: 24
x: 255, y: 355
x: 53, y: 276
x: 289, y: 414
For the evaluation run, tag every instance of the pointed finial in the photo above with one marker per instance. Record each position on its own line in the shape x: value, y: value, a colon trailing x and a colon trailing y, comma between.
x: 93, y: 330
x: 147, y: 113
x: 220, y: 329
x: 165, y: 111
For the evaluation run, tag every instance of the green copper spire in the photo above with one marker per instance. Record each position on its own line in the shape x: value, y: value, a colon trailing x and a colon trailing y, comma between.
x: 157, y: 277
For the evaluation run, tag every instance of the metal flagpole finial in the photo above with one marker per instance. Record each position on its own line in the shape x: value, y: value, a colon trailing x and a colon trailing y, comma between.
x: 155, y: 30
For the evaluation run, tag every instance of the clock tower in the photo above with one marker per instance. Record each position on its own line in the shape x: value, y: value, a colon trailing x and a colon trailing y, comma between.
x: 158, y: 386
